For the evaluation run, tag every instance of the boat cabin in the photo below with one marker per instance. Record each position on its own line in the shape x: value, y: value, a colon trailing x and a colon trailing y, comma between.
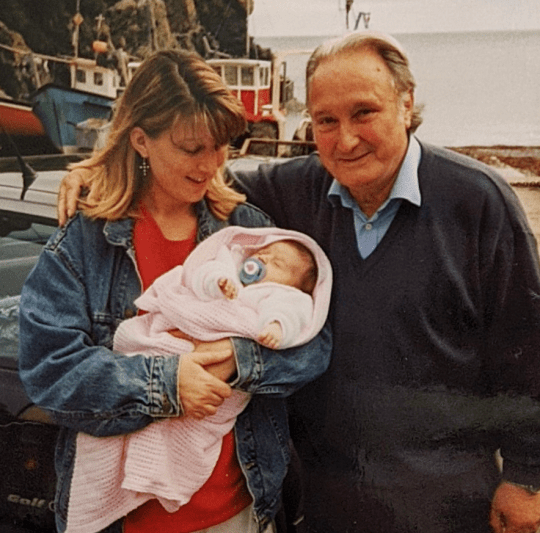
x: 88, y: 76
x: 249, y: 80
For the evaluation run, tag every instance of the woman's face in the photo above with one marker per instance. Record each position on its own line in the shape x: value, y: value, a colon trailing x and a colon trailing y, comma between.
x: 182, y: 160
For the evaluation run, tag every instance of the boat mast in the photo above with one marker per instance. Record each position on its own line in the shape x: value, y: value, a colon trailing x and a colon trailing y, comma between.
x: 363, y: 14
x: 249, y: 9
x: 77, y: 21
x: 348, y: 7
x: 367, y: 17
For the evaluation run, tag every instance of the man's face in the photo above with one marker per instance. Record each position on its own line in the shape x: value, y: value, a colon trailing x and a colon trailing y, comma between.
x: 359, y: 121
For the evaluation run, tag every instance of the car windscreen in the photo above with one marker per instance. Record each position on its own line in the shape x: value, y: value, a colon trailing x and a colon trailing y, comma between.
x: 19, y: 251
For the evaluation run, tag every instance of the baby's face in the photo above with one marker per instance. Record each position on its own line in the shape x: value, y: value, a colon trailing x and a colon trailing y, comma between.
x: 284, y: 264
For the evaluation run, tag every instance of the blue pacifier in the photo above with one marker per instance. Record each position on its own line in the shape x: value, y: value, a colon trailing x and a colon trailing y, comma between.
x: 252, y: 270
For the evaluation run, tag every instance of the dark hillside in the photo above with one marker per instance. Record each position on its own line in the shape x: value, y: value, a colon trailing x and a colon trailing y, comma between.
x: 212, y: 27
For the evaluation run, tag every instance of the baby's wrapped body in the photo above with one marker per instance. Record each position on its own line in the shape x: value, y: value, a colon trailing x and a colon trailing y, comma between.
x: 171, y: 459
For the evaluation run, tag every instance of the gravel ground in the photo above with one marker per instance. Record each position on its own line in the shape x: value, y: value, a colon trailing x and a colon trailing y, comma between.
x: 530, y: 198
x: 523, y: 158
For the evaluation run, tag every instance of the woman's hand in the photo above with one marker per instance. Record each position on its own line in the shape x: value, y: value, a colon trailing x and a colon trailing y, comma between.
x: 201, y: 393
x: 70, y: 192
x: 224, y: 370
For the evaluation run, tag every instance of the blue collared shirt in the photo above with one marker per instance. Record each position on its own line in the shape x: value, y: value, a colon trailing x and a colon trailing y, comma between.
x: 370, y: 231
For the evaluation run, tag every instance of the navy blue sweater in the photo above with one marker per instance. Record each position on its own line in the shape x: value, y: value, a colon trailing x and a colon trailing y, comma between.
x: 436, y: 359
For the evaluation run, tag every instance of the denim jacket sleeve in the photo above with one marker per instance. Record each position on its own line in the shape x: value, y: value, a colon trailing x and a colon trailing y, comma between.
x: 65, y: 358
x: 281, y: 372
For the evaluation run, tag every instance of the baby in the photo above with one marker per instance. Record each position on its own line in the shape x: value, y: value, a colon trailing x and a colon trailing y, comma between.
x: 286, y: 262
x: 267, y: 284
x: 283, y: 263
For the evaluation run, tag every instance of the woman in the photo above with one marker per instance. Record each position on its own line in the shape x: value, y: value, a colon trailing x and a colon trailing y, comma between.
x: 161, y: 190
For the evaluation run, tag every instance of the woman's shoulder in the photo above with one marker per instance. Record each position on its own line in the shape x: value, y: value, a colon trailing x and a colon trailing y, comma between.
x: 81, y: 232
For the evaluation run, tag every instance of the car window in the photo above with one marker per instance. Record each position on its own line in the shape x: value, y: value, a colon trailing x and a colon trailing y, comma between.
x: 38, y: 233
x: 9, y: 327
x: 19, y: 251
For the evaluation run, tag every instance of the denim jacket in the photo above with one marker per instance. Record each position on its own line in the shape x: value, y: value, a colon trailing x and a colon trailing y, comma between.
x: 83, y: 286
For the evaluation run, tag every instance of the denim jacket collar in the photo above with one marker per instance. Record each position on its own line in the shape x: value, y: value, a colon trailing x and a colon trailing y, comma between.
x: 120, y: 232
x: 207, y: 222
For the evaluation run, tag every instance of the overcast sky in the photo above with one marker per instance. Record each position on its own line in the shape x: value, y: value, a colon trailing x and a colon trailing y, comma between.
x: 327, y: 17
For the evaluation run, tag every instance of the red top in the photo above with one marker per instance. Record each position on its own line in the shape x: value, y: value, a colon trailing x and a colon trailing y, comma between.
x: 225, y: 493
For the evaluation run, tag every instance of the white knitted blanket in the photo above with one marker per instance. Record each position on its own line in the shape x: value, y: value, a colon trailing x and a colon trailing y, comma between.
x: 172, y: 458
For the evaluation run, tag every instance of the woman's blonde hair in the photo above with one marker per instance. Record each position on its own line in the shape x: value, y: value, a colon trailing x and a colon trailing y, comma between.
x: 168, y: 87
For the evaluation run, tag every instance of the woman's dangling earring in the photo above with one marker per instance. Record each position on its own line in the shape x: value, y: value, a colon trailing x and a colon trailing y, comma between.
x: 144, y: 167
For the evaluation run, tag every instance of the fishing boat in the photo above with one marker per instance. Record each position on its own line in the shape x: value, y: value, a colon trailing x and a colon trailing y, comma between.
x: 20, y: 126
x: 75, y: 117
x: 55, y: 115
x: 72, y: 116
x: 64, y: 111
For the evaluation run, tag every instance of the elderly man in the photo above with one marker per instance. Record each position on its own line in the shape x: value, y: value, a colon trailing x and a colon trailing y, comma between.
x: 435, y: 313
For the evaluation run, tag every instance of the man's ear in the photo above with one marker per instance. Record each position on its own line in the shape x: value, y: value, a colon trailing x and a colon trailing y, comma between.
x: 138, y: 140
x: 407, y: 101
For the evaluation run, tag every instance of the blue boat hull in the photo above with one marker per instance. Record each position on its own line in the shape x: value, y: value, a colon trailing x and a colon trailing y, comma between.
x: 60, y: 109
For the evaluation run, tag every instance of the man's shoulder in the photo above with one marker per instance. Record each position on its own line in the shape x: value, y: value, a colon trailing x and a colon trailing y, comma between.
x: 450, y: 179
x: 291, y: 171
x: 299, y: 168
x: 288, y: 191
x: 448, y: 168
x: 299, y: 182
x: 455, y: 161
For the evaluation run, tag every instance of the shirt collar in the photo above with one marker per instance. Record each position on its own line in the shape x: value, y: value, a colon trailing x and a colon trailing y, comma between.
x: 406, y: 186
